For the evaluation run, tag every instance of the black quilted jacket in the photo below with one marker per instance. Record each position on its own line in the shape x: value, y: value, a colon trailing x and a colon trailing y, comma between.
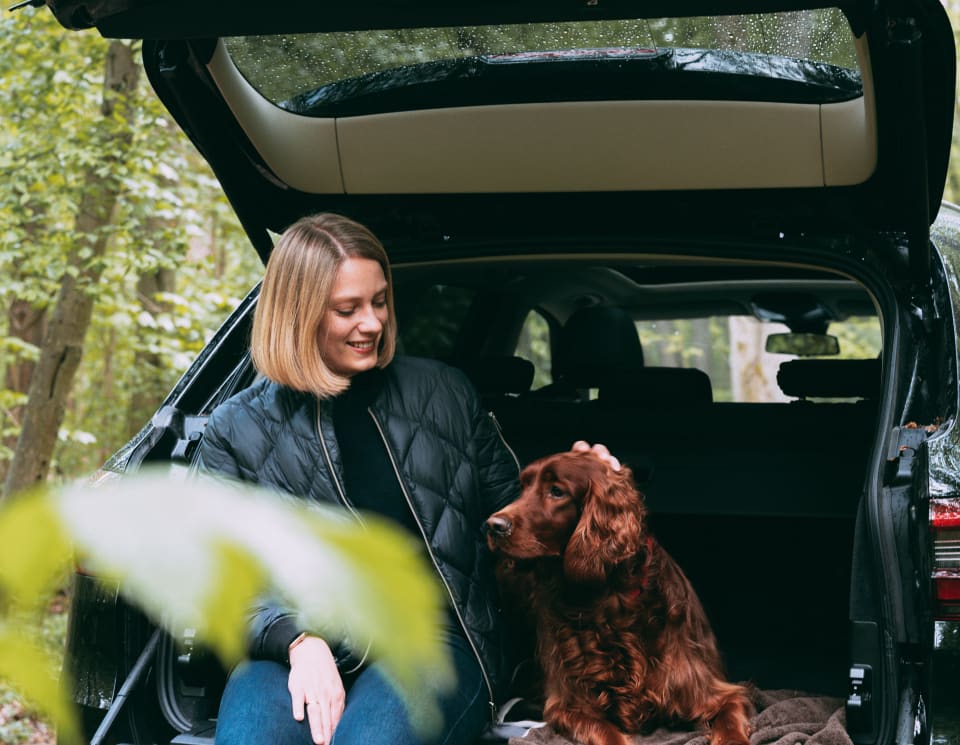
x: 453, y: 465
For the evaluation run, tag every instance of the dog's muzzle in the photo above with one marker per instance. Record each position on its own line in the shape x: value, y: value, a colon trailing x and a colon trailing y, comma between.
x: 499, y: 527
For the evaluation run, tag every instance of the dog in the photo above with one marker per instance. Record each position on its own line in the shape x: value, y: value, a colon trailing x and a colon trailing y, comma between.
x: 622, y: 640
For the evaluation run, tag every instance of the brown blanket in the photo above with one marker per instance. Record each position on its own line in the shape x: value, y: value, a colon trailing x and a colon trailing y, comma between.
x: 783, y: 718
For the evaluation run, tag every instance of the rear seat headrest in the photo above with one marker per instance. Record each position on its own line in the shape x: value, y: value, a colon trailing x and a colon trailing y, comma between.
x: 595, y: 345
x: 827, y: 378
x: 663, y: 386
x: 500, y: 375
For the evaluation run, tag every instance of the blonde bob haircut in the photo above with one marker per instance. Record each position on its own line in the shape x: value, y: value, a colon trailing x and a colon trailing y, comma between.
x: 294, y: 299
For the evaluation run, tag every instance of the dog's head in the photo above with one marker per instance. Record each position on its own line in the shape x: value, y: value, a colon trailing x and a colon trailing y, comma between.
x: 572, y: 506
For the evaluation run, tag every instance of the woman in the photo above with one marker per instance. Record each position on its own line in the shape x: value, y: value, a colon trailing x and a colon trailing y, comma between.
x: 337, y: 419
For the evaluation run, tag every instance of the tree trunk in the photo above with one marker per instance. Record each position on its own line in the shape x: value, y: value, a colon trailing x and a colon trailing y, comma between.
x: 151, y: 381
x: 27, y: 323
x: 62, y: 346
x: 753, y: 371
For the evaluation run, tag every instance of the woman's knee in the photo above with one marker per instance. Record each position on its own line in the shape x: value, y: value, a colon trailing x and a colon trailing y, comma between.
x: 256, y: 708
x: 377, y: 714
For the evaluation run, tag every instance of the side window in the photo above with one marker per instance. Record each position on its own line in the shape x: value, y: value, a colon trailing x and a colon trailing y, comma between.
x: 430, y: 318
x: 534, y: 345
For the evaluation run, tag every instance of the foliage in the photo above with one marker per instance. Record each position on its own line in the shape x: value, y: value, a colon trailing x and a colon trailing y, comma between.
x: 18, y: 723
x: 171, y: 216
x: 205, y: 572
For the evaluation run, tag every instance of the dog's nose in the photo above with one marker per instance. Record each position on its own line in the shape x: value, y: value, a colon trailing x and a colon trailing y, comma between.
x: 499, y: 527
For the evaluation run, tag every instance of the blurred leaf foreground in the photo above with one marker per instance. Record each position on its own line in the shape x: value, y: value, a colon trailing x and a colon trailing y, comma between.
x: 197, y: 553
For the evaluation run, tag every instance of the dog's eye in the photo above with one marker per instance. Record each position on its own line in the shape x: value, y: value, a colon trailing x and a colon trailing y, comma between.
x: 556, y: 492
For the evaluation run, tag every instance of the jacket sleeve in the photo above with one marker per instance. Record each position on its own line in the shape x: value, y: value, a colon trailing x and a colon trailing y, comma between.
x: 216, y: 454
x: 271, y: 625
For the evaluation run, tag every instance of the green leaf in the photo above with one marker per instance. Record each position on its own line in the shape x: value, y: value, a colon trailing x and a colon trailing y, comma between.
x: 239, y: 578
x: 196, y: 552
x: 35, y: 551
x: 182, y: 546
x: 34, y: 673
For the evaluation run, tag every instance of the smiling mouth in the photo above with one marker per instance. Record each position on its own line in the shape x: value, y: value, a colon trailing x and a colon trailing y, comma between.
x: 361, y: 346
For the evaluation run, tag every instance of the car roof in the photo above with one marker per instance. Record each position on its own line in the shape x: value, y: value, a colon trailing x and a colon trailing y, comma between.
x: 743, y: 141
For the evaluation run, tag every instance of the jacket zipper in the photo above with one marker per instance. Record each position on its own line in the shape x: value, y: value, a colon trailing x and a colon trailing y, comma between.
x: 436, y: 565
x: 333, y: 474
x: 346, y: 503
x: 496, y: 425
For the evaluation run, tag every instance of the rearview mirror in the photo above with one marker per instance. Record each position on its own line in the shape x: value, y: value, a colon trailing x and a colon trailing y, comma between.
x: 803, y: 345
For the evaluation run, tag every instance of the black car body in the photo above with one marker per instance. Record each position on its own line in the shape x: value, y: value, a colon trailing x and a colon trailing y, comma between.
x: 683, y: 184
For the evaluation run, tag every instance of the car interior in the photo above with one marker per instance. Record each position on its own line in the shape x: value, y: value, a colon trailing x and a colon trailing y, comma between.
x: 756, y: 499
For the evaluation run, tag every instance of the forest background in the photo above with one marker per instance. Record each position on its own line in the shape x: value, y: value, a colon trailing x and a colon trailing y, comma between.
x: 119, y: 257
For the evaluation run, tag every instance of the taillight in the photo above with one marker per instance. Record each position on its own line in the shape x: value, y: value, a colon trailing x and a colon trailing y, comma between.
x: 945, y: 527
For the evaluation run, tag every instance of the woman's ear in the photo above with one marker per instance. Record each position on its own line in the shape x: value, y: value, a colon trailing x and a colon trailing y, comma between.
x: 610, y: 529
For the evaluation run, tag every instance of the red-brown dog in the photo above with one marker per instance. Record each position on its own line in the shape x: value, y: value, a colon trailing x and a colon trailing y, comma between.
x: 622, y: 639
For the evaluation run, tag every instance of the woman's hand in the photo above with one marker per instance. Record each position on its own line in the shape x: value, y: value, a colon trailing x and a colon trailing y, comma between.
x: 598, y: 449
x: 316, y: 688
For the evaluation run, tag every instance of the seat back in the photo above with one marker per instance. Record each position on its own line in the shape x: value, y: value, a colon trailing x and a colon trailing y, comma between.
x: 658, y: 386
x: 829, y: 378
x: 499, y: 376
x: 595, y: 346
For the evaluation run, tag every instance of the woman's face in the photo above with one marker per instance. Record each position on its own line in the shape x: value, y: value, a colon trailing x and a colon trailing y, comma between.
x: 353, y: 324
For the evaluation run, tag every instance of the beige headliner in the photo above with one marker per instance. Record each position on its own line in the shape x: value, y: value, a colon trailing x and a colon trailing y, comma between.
x: 543, y: 147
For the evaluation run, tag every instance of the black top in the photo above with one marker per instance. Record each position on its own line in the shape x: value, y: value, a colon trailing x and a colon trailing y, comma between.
x: 369, y: 478
x: 370, y: 481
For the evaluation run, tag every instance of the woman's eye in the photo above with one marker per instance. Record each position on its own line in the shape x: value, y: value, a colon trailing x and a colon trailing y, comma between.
x: 380, y: 303
x: 344, y: 313
x: 556, y: 492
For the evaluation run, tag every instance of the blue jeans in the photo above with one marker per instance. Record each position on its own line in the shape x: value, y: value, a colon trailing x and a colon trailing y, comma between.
x: 256, y: 708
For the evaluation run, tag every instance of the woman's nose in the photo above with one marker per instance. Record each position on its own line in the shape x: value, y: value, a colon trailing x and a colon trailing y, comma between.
x: 370, y: 320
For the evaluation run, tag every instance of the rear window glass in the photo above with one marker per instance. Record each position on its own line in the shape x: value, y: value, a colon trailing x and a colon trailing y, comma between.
x: 731, y: 350
x: 283, y: 67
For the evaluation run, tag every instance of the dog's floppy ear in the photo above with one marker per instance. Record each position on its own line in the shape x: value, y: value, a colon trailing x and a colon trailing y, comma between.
x: 610, y: 529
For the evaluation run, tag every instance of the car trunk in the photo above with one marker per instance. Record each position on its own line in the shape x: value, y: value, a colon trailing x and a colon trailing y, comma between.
x: 758, y: 502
